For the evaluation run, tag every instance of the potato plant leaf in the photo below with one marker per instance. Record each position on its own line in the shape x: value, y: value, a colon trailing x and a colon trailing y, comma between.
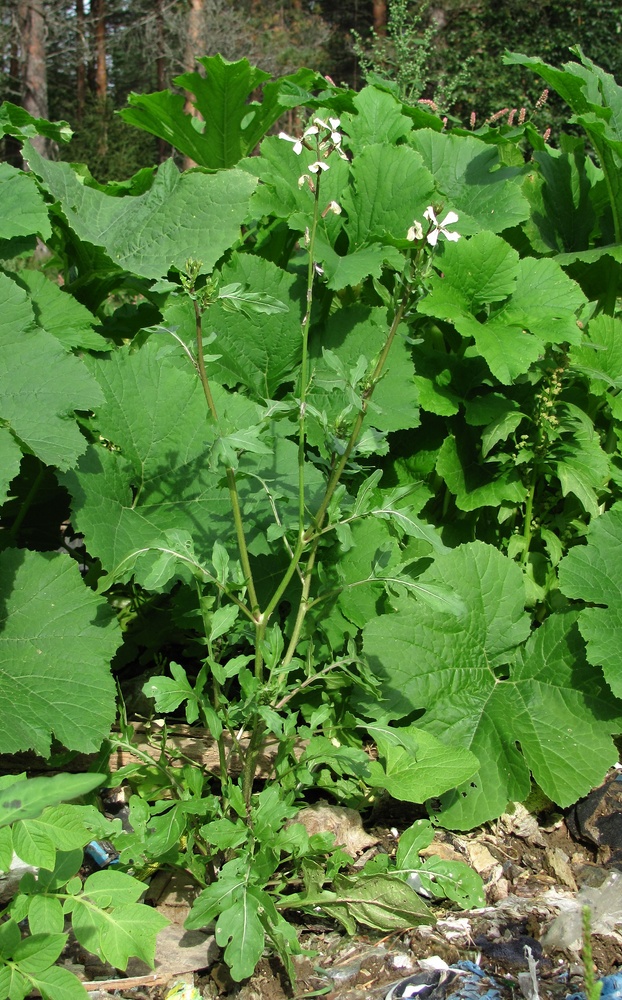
x: 25, y: 798
x: 108, y: 920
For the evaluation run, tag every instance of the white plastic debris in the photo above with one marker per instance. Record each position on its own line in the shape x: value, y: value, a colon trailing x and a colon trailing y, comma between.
x: 9, y: 881
x: 605, y: 903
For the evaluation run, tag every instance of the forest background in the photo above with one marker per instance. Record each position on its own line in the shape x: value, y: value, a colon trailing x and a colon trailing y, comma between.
x: 79, y: 61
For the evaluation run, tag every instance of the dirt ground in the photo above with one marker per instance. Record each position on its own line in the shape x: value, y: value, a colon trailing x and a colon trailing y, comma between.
x: 534, y: 867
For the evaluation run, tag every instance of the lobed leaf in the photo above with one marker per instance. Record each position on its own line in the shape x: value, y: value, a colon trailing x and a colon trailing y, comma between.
x: 51, y: 622
x: 191, y: 216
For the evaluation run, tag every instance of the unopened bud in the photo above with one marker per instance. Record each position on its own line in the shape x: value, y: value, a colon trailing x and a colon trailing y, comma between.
x: 333, y: 206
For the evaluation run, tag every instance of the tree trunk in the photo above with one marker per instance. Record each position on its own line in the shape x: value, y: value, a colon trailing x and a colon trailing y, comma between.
x: 98, y: 9
x: 164, y: 148
x: 194, y: 45
x: 31, y: 19
x: 12, y: 146
x: 380, y: 17
x: 81, y: 64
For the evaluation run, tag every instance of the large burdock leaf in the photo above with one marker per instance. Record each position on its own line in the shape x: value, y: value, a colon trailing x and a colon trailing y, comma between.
x: 24, y: 212
x: 485, y: 689
x: 593, y: 573
x: 510, y: 307
x: 161, y: 483
x: 56, y: 643
x: 10, y: 459
x: 469, y: 174
x: 193, y: 215
x: 41, y: 384
x: 391, y: 187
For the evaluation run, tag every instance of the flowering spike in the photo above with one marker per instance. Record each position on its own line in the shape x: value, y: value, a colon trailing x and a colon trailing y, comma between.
x: 542, y: 99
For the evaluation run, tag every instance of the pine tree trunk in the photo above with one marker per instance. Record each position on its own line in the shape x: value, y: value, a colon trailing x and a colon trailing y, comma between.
x: 98, y: 10
x: 380, y: 16
x: 12, y: 146
x: 81, y: 66
x: 164, y: 149
x: 31, y: 20
x: 194, y: 45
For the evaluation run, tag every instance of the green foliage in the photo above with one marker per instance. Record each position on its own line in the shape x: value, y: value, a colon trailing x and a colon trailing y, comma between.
x: 232, y: 126
x: 105, y: 914
x: 339, y: 424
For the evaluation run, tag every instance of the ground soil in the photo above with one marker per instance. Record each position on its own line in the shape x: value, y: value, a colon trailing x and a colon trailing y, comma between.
x: 533, y: 866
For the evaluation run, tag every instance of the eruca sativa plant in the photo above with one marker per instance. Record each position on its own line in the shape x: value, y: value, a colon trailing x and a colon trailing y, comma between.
x: 332, y: 426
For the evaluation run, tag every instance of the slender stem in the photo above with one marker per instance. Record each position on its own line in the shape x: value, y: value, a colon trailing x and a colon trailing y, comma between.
x: 304, y: 365
x: 358, y: 423
x: 241, y: 539
x: 198, y: 322
x: 250, y: 760
x: 289, y: 572
x: 311, y: 680
x: 312, y: 535
x: 528, y: 517
x: 231, y: 481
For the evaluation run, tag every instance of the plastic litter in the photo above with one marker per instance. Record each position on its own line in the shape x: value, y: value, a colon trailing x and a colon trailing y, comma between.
x: 611, y: 989
x: 101, y: 853
x: 605, y: 903
x: 436, y: 984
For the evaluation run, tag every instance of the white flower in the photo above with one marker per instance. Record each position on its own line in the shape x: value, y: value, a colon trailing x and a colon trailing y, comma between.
x: 331, y: 126
x: 415, y: 232
x: 333, y: 206
x: 317, y: 166
x: 297, y: 142
x: 440, y: 227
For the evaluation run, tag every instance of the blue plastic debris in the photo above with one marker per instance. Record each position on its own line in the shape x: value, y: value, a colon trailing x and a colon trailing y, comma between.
x: 462, y: 981
x: 611, y: 989
x: 101, y: 853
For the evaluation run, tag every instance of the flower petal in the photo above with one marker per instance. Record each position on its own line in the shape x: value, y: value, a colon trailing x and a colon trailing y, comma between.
x: 430, y: 215
x: 453, y: 237
x: 432, y: 237
x: 449, y: 219
x: 317, y: 166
